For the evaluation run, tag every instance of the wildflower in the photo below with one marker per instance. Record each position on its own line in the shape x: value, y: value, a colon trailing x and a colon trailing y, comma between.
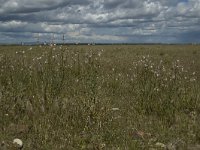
x: 99, y: 54
x: 156, y: 89
x: 115, y: 109
x: 192, y: 80
x: 103, y: 145
x: 18, y: 143
x: 39, y: 58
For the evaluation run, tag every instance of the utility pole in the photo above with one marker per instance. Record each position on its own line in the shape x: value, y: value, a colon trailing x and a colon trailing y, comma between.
x: 37, y: 36
x: 38, y: 39
x: 63, y: 39
x: 52, y: 39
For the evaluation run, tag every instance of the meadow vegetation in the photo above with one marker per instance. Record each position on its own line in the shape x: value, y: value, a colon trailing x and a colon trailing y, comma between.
x: 100, y: 97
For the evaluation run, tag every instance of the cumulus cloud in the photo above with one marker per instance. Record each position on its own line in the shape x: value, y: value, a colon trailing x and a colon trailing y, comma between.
x: 101, y: 20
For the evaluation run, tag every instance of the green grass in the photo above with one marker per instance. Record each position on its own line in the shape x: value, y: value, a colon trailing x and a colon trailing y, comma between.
x: 100, y: 97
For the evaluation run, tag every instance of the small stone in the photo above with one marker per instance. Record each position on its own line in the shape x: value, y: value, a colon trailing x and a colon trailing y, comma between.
x: 194, y: 147
x: 18, y: 143
x: 161, y: 145
x: 3, y: 146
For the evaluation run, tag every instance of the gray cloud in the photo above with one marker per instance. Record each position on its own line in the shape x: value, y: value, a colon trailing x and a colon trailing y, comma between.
x: 101, y: 20
x: 27, y: 6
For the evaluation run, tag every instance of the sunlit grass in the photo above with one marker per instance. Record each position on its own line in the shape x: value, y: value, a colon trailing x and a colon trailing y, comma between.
x: 100, y: 97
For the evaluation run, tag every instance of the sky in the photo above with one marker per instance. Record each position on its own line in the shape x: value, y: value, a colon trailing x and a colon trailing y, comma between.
x: 100, y: 21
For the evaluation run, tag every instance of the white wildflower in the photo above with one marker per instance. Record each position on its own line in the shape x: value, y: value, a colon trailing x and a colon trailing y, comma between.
x: 99, y: 54
x: 39, y: 58
x: 115, y: 109
x: 192, y: 80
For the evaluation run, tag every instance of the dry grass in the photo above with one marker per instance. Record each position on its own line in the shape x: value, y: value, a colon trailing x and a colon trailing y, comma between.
x: 100, y: 97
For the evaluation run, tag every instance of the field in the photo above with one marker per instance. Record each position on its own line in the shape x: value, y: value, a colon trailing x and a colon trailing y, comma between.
x: 100, y: 97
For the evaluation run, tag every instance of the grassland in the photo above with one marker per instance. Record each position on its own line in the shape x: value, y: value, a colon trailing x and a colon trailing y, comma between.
x: 100, y: 97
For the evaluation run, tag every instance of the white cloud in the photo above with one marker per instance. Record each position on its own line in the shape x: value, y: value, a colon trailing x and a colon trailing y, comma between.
x: 102, y: 20
x: 12, y: 24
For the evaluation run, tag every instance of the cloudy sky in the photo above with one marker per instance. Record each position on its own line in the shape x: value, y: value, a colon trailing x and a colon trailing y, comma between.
x: 132, y: 21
